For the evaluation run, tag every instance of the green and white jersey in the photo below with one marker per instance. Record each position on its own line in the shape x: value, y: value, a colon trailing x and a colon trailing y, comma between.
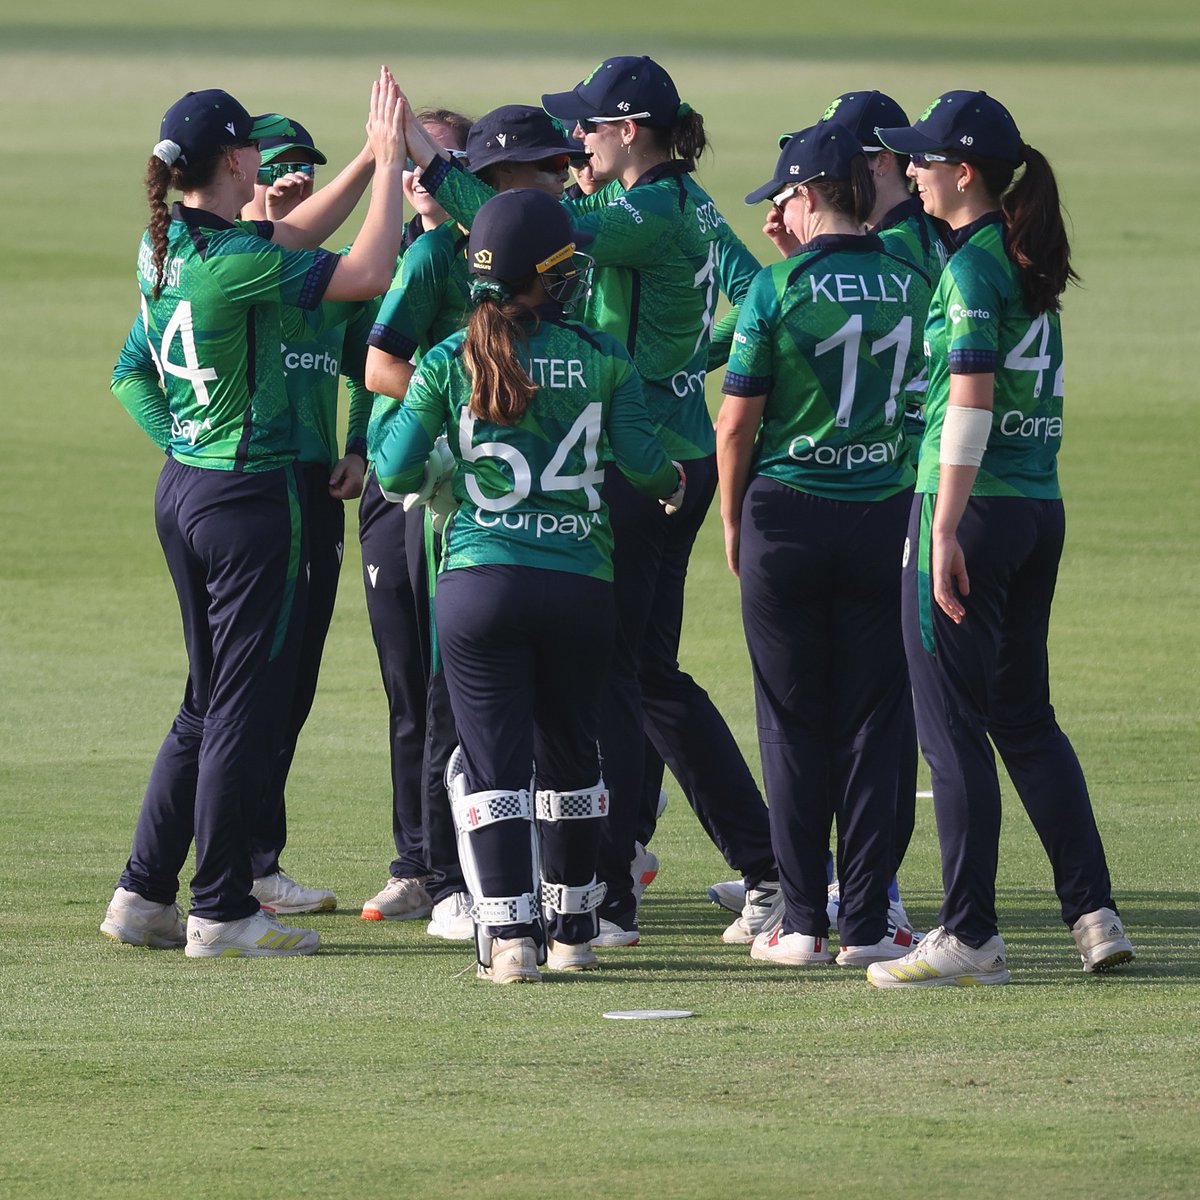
x: 663, y: 253
x: 829, y: 337
x: 908, y: 231
x: 319, y: 346
x: 529, y: 493
x: 979, y: 323
x: 214, y: 335
x: 425, y: 304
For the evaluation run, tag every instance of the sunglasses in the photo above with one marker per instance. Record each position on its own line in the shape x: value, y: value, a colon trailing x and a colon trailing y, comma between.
x: 923, y: 160
x: 268, y: 173
x: 781, y: 198
x: 555, y: 164
x: 588, y: 124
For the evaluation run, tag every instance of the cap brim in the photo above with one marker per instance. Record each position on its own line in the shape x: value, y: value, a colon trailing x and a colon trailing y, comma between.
x: 767, y: 190
x: 270, y: 154
x: 521, y: 154
x: 567, y: 106
x: 582, y: 238
x: 907, y: 140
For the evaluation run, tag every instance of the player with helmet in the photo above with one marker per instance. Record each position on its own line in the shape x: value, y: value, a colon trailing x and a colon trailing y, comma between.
x: 984, y: 540
x: 663, y: 253
x: 524, y: 605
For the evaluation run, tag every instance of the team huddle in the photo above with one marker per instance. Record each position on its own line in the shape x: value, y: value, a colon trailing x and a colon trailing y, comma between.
x: 534, y: 458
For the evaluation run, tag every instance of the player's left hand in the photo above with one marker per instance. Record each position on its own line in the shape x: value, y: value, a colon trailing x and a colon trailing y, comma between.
x: 287, y: 192
x: 674, y: 501
x: 346, y: 478
x: 733, y: 546
x: 948, y: 573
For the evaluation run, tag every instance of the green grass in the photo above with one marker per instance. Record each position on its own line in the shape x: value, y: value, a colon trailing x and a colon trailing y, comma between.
x: 381, y: 1067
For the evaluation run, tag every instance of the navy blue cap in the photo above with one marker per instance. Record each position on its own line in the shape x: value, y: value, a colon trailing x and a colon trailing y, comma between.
x: 637, y: 88
x: 515, y: 133
x: 820, y: 152
x: 199, y: 125
x: 292, y: 137
x: 862, y: 113
x: 519, y: 234
x: 970, y: 124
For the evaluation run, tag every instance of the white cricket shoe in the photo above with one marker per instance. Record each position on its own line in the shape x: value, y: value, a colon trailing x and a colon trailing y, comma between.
x: 1102, y: 941
x: 661, y: 807
x: 402, y: 899
x: 280, y: 893
x: 256, y: 936
x: 567, y: 956
x: 730, y: 895
x: 136, y: 921
x: 763, y: 910
x: 896, y: 943
x: 611, y: 933
x: 895, y: 914
x: 642, y: 868
x: 451, y: 919
x: 790, y: 949
x: 514, y: 960
x: 940, y: 958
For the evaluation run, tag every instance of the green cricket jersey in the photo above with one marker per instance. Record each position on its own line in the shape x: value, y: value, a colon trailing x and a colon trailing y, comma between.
x: 662, y: 252
x: 909, y: 232
x: 214, y: 335
x: 829, y: 337
x: 529, y: 493
x: 426, y: 303
x: 979, y: 323
x: 319, y: 346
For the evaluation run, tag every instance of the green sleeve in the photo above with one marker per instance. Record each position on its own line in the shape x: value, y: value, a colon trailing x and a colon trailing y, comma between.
x: 137, y: 385
x: 409, y: 433
x: 354, y: 368
x: 635, y: 446
x: 413, y: 302
x: 248, y: 269
x: 752, y: 359
x: 459, y: 192
x: 597, y: 200
x: 736, y: 270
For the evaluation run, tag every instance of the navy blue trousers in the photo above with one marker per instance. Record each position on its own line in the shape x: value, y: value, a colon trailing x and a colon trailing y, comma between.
x: 989, y: 677
x: 648, y: 695
x: 821, y: 611
x: 525, y: 653
x: 393, y: 554
x: 234, y: 544
x: 325, y: 520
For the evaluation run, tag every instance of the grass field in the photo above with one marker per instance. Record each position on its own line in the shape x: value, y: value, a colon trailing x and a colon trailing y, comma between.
x: 380, y: 1067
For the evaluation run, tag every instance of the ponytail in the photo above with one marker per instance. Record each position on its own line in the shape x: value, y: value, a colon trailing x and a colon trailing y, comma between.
x: 158, y: 179
x: 685, y: 139
x: 161, y: 178
x: 853, y: 197
x: 1036, y: 236
x: 500, y: 388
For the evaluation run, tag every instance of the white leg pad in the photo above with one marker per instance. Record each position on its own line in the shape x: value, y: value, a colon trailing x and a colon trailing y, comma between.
x: 573, y: 806
x: 473, y: 811
x: 563, y: 898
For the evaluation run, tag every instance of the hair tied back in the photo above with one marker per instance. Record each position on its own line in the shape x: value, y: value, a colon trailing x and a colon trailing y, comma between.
x: 168, y: 152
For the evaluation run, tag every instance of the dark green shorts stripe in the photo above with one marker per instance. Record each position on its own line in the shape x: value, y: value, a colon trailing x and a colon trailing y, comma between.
x: 924, y: 583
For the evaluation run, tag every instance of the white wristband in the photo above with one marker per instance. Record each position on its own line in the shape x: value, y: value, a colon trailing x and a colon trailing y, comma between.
x: 965, y: 434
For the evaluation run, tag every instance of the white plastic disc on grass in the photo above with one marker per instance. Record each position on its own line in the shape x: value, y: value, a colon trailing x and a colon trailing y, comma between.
x: 649, y: 1014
